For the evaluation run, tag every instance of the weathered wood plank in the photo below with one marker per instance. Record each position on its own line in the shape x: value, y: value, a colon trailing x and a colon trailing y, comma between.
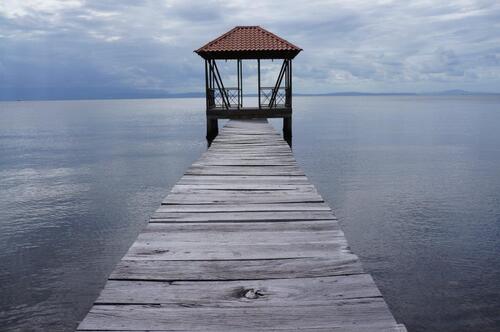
x: 158, y: 237
x: 353, y: 328
x: 247, y: 197
x: 247, y: 157
x: 241, y: 162
x: 220, y: 251
x: 246, y: 170
x: 252, y: 189
x: 241, y: 293
x: 371, y: 312
x: 242, y: 179
x: 237, y: 269
x: 241, y: 216
x: 244, y: 207
x: 227, y: 227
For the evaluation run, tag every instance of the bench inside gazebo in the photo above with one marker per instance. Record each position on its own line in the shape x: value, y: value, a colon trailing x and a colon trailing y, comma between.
x: 248, y: 43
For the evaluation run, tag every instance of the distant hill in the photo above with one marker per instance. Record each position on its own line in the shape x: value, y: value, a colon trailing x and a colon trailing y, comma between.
x: 458, y: 92
x: 12, y: 94
x: 353, y: 93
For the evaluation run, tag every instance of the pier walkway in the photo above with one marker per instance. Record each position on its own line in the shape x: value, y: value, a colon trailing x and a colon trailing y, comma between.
x: 243, y: 242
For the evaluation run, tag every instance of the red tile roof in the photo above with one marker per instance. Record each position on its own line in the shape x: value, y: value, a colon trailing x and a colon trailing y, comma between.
x: 248, y: 42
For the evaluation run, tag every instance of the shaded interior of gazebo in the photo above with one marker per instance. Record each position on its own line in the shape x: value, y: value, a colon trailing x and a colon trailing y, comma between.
x: 226, y: 102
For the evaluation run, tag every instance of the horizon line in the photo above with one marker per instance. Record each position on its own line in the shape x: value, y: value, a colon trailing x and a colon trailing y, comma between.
x: 148, y: 94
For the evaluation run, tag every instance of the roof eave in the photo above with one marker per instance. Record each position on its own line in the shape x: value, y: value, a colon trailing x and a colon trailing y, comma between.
x: 230, y: 55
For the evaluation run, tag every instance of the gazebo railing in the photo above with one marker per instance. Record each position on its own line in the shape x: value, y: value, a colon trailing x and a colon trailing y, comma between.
x: 272, y: 97
x: 216, y: 99
x: 231, y: 97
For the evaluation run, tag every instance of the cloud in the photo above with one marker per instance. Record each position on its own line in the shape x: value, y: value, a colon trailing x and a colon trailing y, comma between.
x: 357, y: 45
x: 17, y: 9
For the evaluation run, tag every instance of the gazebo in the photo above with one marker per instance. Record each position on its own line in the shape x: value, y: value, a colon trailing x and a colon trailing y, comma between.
x: 248, y: 43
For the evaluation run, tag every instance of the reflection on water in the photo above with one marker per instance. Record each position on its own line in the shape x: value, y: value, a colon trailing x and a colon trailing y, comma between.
x: 414, y: 181
x: 77, y: 181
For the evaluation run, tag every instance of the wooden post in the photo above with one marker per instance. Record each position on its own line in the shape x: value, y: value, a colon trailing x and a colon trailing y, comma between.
x: 207, y: 92
x: 287, y: 129
x: 287, y: 85
x: 220, y: 85
x: 212, y: 128
x: 290, y: 82
x: 241, y: 80
x: 212, y: 77
x: 238, y: 77
x: 258, y: 79
x: 287, y: 122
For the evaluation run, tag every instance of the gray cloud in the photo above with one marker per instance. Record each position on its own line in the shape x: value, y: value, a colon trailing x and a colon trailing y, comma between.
x: 348, y: 45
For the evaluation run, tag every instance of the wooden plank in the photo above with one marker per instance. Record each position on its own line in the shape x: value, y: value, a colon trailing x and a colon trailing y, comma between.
x: 220, y: 251
x: 241, y: 162
x: 244, y: 207
x: 353, y: 328
x: 252, y: 189
x: 371, y: 312
x: 237, y: 269
x: 241, y: 216
x: 244, y: 186
x: 159, y: 237
x: 250, y: 160
x: 239, y: 179
x: 225, y: 227
x: 234, y: 152
x: 246, y: 170
x: 241, y: 293
x: 268, y: 143
x: 248, y: 197
x: 249, y: 148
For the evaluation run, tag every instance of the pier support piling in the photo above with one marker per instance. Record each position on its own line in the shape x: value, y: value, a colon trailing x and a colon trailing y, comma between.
x: 287, y: 129
x: 212, y: 128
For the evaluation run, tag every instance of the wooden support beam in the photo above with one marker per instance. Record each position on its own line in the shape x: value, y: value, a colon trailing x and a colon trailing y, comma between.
x: 212, y: 128
x: 290, y: 84
x: 206, y: 87
x: 287, y: 129
x: 220, y: 84
x: 241, y: 80
x: 278, y: 83
x: 258, y: 83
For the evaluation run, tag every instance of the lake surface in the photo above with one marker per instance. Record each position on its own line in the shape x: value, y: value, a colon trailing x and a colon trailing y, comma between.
x: 415, y: 182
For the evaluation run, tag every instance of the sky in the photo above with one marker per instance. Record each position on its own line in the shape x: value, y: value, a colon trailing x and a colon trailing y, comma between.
x: 127, y: 48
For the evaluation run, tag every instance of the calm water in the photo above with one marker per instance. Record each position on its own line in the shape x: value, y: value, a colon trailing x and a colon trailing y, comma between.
x: 415, y: 182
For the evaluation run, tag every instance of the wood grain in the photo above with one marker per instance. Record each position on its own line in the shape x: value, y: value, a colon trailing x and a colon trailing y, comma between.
x: 243, y: 242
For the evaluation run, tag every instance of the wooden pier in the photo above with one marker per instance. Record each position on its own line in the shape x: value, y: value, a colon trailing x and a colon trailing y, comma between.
x: 243, y: 242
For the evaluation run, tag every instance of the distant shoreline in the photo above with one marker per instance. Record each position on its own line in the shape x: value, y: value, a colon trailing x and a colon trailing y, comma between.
x: 450, y: 93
